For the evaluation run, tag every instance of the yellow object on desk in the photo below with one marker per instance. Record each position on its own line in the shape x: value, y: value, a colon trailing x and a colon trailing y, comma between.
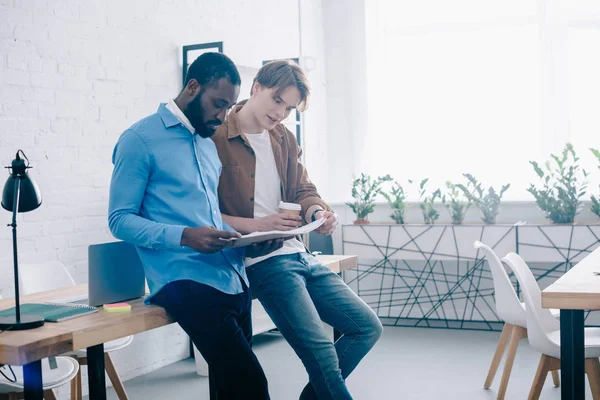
x: 117, y: 307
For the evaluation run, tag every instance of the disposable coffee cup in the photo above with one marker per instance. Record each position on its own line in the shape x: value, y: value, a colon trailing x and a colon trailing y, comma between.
x: 289, y: 208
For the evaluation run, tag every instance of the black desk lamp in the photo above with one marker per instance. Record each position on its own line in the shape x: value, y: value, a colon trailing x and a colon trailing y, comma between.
x: 22, y: 191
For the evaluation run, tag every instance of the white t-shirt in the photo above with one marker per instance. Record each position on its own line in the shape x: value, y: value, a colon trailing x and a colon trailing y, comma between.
x: 267, y: 191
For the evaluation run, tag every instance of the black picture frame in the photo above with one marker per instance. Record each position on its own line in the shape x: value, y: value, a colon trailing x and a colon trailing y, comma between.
x: 193, y: 51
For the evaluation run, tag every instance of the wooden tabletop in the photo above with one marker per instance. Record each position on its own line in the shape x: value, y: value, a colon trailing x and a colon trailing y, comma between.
x: 338, y: 263
x: 578, y: 288
x: 18, y: 348
x: 21, y: 347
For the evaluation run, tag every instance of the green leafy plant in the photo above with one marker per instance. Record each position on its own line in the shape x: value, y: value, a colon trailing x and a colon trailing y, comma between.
x: 595, y: 206
x: 427, y: 205
x: 595, y: 201
x: 563, y: 185
x: 456, y: 203
x: 364, y: 190
x: 488, y: 203
x: 396, y: 198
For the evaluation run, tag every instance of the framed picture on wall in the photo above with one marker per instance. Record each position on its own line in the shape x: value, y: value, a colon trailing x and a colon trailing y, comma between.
x: 293, y: 121
x: 193, y: 51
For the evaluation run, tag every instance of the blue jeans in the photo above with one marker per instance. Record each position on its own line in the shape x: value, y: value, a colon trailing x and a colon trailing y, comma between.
x: 298, y: 293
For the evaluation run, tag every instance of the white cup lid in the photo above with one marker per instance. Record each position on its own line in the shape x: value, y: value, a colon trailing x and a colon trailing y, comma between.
x: 290, y: 206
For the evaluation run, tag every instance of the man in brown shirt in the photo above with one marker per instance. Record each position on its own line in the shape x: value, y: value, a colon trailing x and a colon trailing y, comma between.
x: 261, y: 168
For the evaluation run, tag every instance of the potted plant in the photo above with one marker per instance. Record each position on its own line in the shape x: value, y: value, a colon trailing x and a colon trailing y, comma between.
x: 427, y: 205
x: 457, y: 204
x: 396, y: 198
x: 595, y: 201
x: 488, y: 203
x: 563, y: 185
x: 364, y: 191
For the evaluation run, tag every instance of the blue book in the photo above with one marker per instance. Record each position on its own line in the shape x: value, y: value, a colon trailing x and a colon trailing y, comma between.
x: 52, y: 312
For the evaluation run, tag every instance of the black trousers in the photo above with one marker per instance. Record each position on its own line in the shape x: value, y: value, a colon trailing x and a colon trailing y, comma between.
x: 220, y: 326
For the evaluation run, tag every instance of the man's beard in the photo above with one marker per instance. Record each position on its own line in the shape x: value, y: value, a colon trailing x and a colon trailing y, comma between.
x: 195, y: 114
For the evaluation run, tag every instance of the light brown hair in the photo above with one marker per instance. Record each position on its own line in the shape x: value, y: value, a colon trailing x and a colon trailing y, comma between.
x: 283, y: 74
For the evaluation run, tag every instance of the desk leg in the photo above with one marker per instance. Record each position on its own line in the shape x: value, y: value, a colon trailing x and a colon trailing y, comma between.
x: 34, y: 389
x: 336, y: 335
x: 572, y: 355
x: 96, y: 368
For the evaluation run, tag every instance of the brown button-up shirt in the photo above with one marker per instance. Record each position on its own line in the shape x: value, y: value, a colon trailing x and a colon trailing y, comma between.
x: 236, y: 184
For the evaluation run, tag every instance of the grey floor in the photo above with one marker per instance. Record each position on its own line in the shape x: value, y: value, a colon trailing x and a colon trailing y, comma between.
x: 407, y: 363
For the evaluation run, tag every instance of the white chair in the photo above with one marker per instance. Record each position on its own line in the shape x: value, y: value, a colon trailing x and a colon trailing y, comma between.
x: 544, y: 332
x: 66, y: 370
x: 53, y: 275
x: 510, y: 309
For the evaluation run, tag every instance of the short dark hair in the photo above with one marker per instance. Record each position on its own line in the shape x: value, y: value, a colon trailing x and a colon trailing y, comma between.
x: 210, y: 67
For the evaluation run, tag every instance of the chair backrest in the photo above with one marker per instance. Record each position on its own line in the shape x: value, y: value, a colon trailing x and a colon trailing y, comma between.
x: 540, y: 321
x: 508, y: 306
x: 320, y: 243
x: 35, y: 278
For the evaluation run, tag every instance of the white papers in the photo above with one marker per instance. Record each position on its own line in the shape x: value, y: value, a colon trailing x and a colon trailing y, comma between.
x: 256, y: 237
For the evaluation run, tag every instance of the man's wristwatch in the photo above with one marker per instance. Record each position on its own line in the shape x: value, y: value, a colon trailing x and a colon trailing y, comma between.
x: 313, y: 216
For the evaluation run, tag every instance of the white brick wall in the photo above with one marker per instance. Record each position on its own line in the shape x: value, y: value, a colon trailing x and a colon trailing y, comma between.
x: 73, y: 75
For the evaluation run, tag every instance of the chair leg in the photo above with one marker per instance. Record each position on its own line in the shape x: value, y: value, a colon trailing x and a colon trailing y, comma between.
x: 504, y: 336
x: 556, y: 378
x: 74, y: 387
x: 114, y: 378
x: 546, y: 364
x: 516, y: 335
x: 592, y: 369
x: 78, y: 379
x: 49, y: 395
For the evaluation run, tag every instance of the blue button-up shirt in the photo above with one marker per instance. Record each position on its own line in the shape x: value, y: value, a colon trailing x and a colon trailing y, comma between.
x: 165, y: 179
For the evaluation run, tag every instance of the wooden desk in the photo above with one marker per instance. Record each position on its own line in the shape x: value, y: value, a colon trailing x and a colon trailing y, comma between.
x: 338, y: 264
x: 576, y: 291
x: 27, y: 348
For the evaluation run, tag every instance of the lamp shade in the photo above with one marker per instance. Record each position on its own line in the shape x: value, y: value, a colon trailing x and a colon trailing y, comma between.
x: 30, y: 197
x: 19, y: 188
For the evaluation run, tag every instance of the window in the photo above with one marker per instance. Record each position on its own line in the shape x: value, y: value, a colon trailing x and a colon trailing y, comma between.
x: 481, y: 87
x: 584, y: 95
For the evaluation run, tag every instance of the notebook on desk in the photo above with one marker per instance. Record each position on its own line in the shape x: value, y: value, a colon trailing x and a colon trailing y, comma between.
x: 52, y: 312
